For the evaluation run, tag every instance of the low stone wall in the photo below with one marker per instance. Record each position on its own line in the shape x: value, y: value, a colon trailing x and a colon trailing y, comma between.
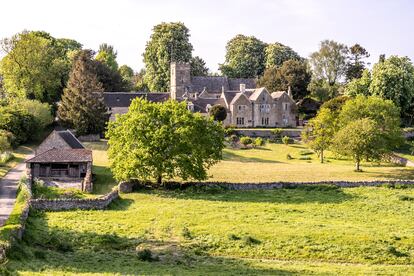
x: 396, y: 159
x: 279, y: 185
x: 267, y: 133
x: 73, y: 204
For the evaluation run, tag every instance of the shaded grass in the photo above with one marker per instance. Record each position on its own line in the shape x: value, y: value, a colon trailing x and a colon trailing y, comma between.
x: 293, y: 231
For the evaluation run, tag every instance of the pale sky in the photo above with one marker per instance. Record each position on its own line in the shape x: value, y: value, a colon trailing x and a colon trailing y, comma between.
x: 378, y: 25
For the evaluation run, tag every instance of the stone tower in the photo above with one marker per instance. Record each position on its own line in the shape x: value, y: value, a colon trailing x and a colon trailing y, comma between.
x: 180, y: 79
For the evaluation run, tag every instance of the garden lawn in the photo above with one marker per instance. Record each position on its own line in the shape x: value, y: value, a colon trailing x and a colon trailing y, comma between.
x: 320, y: 230
x: 270, y: 163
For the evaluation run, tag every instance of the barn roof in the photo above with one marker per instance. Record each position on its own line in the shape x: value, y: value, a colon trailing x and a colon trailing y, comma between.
x: 62, y: 156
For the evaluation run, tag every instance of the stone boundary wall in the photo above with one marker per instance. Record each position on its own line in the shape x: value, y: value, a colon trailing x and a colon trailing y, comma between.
x: 267, y: 133
x: 75, y: 204
x: 89, y: 138
x: 131, y: 186
x: 279, y: 185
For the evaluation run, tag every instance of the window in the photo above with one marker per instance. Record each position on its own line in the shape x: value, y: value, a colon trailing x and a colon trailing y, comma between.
x: 241, y: 107
x: 240, y: 120
x: 264, y: 108
x: 190, y: 106
x: 265, y: 121
x: 208, y: 107
x: 285, y: 106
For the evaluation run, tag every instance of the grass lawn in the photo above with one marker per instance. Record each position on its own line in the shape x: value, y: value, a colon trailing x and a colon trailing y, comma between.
x: 308, y: 230
x: 271, y: 164
x: 19, y: 155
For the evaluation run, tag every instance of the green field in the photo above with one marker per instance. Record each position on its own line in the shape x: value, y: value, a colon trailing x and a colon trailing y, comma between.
x: 269, y: 163
x: 306, y: 230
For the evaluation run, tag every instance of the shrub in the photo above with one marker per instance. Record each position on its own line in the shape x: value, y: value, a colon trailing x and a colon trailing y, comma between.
x: 19, y: 122
x: 277, y: 132
x: 245, y: 141
x: 229, y: 130
x: 248, y: 240
x: 145, y: 255
x: 305, y: 152
x: 186, y: 233
x: 5, y: 157
x: 406, y: 198
x: 233, y: 237
x: 259, y: 142
x: 286, y: 140
x: 305, y: 158
x: 40, y: 111
x: 218, y: 112
x: 6, y: 140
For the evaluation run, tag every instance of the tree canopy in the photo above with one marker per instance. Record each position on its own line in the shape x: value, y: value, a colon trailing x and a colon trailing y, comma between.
x: 393, y: 79
x: 107, y: 55
x: 244, y: 57
x: 169, y: 42
x: 155, y: 141
x: 356, y: 63
x: 277, y: 53
x: 36, y: 65
x: 198, y: 66
x: 218, y: 112
x: 82, y: 106
x: 329, y: 63
x: 293, y: 74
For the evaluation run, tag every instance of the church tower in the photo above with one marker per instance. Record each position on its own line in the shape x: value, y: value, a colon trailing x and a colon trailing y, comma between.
x: 180, y: 79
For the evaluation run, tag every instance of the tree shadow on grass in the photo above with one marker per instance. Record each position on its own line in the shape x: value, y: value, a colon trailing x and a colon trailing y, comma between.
x: 120, y: 204
x: 103, y: 180
x: 58, y: 250
x: 230, y: 156
x: 402, y: 173
x: 324, y: 194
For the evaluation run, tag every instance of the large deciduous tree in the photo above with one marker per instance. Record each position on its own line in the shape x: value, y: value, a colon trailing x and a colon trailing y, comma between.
x: 82, y: 107
x: 356, y: 63
x: 277, y: 53
x: 393, y: 79
x: 383, y: 112
x: 127, y: 75
x: 329, y: 63
x: 244, y: 58
x: 198, y: 66
x: 36, y: 65
x: 169, y: 42
x: 293, y: 74
x: 318, y: 133
x: 359, y: 140
x: 107, y: 55
x: 359, y: 86
x: 155, y: 141
x: 218, y: 112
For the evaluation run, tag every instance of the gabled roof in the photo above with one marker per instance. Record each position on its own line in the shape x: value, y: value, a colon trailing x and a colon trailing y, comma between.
x: 200, y: 105
x: 255, y: 95
x: 210, y: 83
x: 62, y: 156
x: 238, y: 96
x: 124, y: 99
x: 278, y: 94
x: 70, y: 139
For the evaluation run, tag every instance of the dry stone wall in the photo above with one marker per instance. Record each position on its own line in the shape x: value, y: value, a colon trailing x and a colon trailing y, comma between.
x: 72, y: 204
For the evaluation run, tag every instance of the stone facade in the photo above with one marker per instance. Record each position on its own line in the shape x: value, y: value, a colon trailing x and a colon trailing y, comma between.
x: 247, y: 106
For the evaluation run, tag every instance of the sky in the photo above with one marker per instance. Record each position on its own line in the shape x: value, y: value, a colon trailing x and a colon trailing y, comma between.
x: 382, y: 27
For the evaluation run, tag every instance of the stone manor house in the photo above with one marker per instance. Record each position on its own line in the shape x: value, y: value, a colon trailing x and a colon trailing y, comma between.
x: 247, y: 106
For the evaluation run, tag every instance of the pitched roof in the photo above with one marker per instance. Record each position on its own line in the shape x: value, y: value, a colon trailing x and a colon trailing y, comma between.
x: 200, y: 105
x: 234, y: 84
x: 70, y: 139
x: 62, y: 156
x: 256, y: 93
x: 238, y: 95
x: 214, y: 84
x: 211, y: 83
x: 278, y: 94
x: 123, y: 99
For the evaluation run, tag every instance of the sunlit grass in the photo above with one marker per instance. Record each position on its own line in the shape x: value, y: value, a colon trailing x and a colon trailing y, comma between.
x: 306, y: 230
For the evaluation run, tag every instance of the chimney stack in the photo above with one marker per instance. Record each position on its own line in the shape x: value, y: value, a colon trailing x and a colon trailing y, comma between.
x: 289, y: 92
x: 242, y: 87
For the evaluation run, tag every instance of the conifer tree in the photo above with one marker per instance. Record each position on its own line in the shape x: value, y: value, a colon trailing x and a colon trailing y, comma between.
x: 82, y: 106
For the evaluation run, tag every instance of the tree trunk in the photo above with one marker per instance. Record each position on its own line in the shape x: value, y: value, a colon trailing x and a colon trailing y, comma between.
x: 321, y: 156
x: 357, y: 166
x: 159, y: 179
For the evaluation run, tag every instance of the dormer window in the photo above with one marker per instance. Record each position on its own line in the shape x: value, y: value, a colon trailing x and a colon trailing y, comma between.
x: 208, y: 107
x: 190, y: 106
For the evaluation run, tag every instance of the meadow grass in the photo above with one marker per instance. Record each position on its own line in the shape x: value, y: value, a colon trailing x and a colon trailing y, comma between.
x: 307, y: 230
